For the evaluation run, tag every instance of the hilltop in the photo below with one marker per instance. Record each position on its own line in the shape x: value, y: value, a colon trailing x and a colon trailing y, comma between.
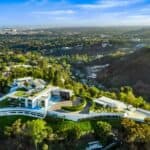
x: 132, y: 70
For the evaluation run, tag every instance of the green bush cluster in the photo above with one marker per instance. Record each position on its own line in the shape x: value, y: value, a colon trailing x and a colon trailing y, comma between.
x: 92, y: 103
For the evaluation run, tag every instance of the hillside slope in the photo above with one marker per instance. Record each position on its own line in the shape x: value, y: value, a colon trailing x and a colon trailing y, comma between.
x: 132, y: 70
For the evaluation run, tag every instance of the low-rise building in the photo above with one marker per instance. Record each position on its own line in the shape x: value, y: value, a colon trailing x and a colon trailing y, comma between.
x: 94, y: 145
x: 108, y: 102
x: 65, y: 94
x: 28, y: 83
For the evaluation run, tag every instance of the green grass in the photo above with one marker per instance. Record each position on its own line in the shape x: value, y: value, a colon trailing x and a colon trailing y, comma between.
x: 57, y: 124
x: 115, y: 122
x: 4, y: 103
x: 85, y: 125
x: 8, y: 120
x: 60, y: 125
x: 21, y: 94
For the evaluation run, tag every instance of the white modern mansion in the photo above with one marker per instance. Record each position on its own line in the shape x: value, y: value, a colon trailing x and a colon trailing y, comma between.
x: 32, y: 97
x: 37, y: 94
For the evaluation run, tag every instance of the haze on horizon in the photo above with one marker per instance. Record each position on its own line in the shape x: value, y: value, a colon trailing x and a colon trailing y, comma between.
x: 60, y: 13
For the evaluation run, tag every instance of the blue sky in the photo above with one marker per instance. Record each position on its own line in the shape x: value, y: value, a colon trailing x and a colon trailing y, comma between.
x: 75, y: 12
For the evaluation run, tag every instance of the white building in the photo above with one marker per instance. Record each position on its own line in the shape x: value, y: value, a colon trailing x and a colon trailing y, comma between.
x: 33, y: 101
x: 29, y: 83
x: 63, y: 93
x: 94, y: 145
x: 40, y: 98
x: 105, y: 101
x: 21, y: 80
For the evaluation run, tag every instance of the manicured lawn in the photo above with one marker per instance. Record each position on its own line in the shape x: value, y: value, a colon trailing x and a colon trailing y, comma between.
x: 85, y: 125
x: 21, y: 94
x: 56, y: 123
x: 115, y: 122
x: 61, y: 124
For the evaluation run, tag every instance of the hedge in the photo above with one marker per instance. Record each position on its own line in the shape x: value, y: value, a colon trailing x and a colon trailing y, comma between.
x: 92, y: 107
x: 75, y: 108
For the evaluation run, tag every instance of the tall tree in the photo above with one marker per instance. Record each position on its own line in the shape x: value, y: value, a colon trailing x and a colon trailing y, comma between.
x: 37, y: 130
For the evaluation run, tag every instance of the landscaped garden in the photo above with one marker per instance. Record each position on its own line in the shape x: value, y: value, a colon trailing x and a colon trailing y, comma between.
x: 21, y: 94
x: 78, y: 107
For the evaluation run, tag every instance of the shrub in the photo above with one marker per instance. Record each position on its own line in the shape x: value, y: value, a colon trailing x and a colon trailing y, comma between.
x: 92, y: 107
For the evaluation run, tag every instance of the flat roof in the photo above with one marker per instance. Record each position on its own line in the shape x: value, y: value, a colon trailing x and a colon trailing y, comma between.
x: 25, y: 78
x: 43, y: 93
x: 108, y: 101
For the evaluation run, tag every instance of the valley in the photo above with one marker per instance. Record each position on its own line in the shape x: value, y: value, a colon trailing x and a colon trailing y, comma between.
x: 80, y: 85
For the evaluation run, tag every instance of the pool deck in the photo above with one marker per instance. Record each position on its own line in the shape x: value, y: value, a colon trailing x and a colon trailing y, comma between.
x: 57, y: 106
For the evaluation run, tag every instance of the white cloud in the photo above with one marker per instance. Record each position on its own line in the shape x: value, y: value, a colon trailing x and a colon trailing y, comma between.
x: 54, y: 12
x: 109, y: 4
x: 36, y: 2
x: 145, y: 10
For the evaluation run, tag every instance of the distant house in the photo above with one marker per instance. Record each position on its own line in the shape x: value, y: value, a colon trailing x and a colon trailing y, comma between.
x: 105, y: 36
x: 66, y: 48
x: 95, y: 145
x: 135, y: 39
x: 104, y: 44
x: 139, y: 46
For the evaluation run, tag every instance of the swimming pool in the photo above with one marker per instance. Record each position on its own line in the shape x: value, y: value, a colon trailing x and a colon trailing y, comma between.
x: 55, y: 99
x: 37, y: 108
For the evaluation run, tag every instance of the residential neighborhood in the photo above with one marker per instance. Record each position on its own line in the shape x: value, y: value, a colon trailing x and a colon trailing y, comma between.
x: 74, y: 75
